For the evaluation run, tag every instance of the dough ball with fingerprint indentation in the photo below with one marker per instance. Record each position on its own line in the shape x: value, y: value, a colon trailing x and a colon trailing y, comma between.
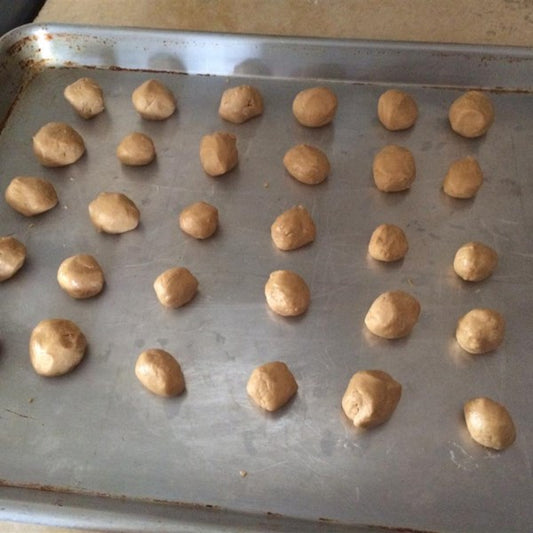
x: 31, y: 196
x: 160, y: 373
x: 315, y: 107
x: 394, y: 169
x: 293, y: 229
x: 57, y: 144
x: 12, y: 257
x: 287, y: 293
x: 480, y: 331
x: 397, y: 110
x: 80, y: 276
x: 271, y: 385
x: 218, y: 153
x: 472, y: 114
x: 307, y: 164
x: 136, y: 149
x: 86, y: 97
x: 57, y: 346
x: 153, y: 100
x: 199, y: 220
x: 113, y: 212
x: 239, y: 104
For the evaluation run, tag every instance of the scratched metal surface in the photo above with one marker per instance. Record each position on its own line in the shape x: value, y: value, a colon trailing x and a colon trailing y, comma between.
x: 98, y: 431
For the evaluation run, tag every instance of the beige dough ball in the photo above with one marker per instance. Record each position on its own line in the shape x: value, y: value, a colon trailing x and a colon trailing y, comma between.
x: 239, y: 104
x: 160, y: 373
x: 199, y: 220
x: 113, y: 212
x: 271, y: 385
x: 80, y: 276
x: 307, y: 164
x: 57, y: 346
x: 56, y: 144
x: 394, y: 169
x: 153, y: 101
x: 393, y: 315
x: 475, y: 261
x: 464, y: 178
x: 480, y: 331
x: 370, y: 398
x: 86, y: 97
x: 287, y: 294
x: 397, y: 110
x: 293, y: 229
x: 218, y: 153
x: 30, y: 196
x: 489, y: 423
x: 472, y: 114
x: 136, y: 149
x: 388, y: 243
x: 12, y: 257
x: 175, y: 287
x: 315, y: 107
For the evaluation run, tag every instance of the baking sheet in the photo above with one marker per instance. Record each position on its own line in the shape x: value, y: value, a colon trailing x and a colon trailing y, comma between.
x: 98, y: 432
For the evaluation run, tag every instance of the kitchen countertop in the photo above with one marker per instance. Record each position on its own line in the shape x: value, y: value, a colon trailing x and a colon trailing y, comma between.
x: 502, y: 22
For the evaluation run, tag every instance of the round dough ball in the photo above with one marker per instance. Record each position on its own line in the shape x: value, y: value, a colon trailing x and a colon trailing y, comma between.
x: 86, y: 97
x: 307, y: 164
x: 30, y: 196
x: 113, y: 212
x: 160, y: 373
x: 370, y: 398
x: 80, y: 276
x: 472, y: 114
x: 239, y: 104
x: 394, y: 169
x: 287, y: 294
x: 153, y: 101
x: 388, y: 243
x: 271, y: 385
x: 480, y: 331
x: 293, y: 229
x: 12, y: 257
x: 393, y: 315
x: 315, y: 107
x: 475, y: 261
x: 199, y: 220
x: 136, y: 149
x: 218, y: 153
x: 56, y: 144
x: 489, y: 423
x: 175, y: 287
x: 397, y: 110
x: 464, y: 178
x: 57, y: 346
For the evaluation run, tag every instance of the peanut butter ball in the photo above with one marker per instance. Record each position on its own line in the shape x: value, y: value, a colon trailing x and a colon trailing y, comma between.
x: 464, y: 178
x: 57, y: 346
x: 287, y: 293
x: 12, y: 257
x: 175, y: 287
x: 371, y: 398
x: 480, y: 331
x: 160, y: 373
x: 307, y: 164
x: 475, y: 261
x: 80, y: 276
x: 315, y: 107
x: 472, y: 114
x: 489, y: 423
x: 388, y: 243
x: 57, y: 144
x: 199, y: 220
x: 153, y: 100
x: 271, y: 385
x: 397, y: 110
x: 394, y: 169
x: 393, y: 315
x: 114, y: 212
x: 218, y: 153
x: 239, y: 104
x: 136, y: 149
x: 86, y: 97
x: 293, y: 229
x: 30, y: 196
